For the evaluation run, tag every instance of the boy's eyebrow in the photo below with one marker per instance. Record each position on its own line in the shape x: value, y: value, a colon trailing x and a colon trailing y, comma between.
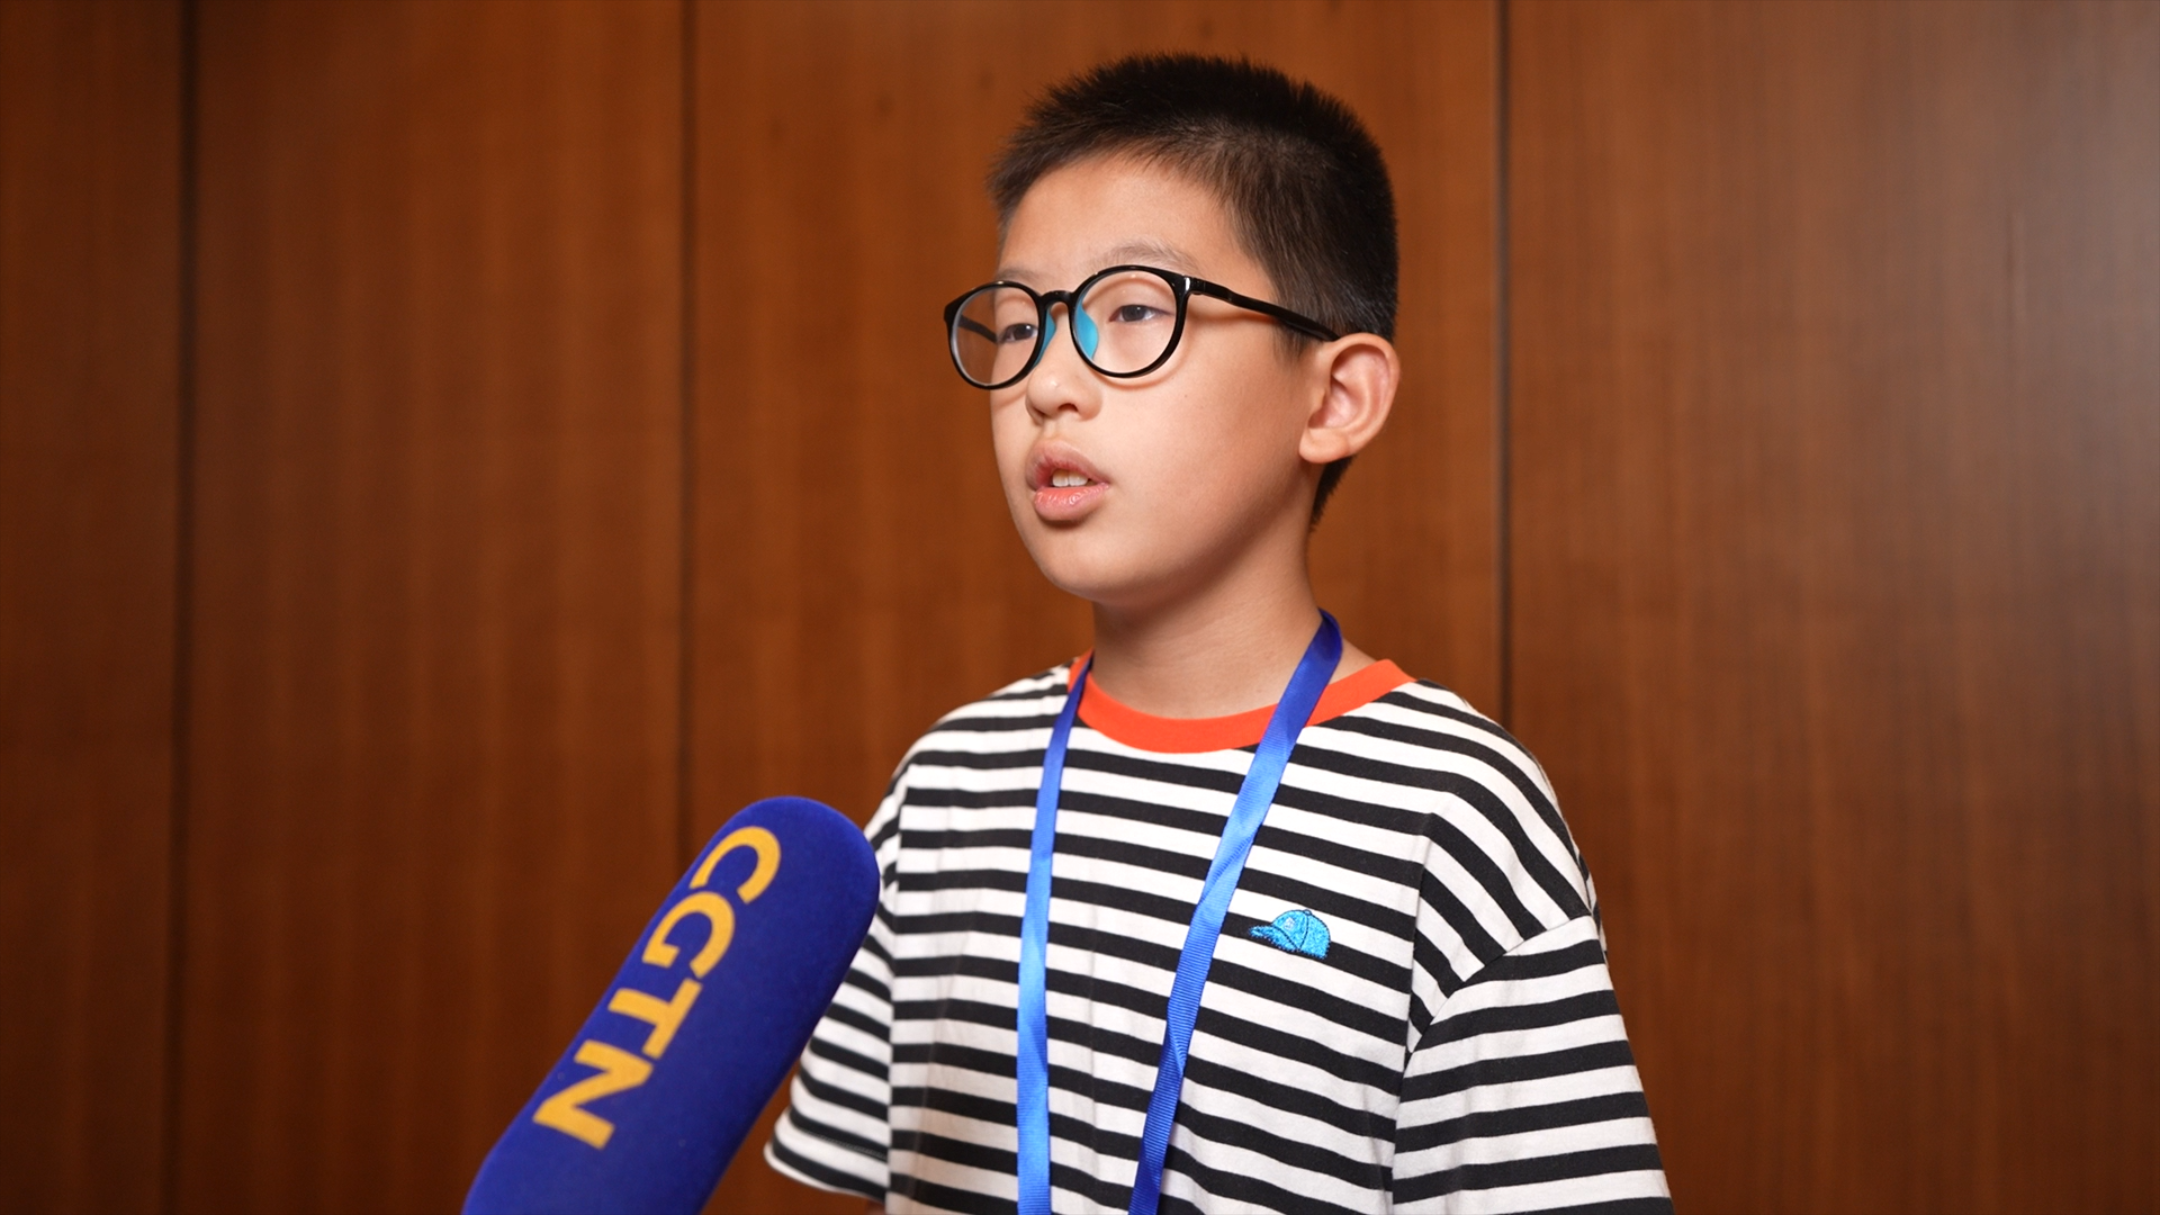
x: 1143, y: 251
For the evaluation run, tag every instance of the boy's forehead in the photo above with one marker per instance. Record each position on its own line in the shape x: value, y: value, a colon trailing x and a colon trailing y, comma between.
x: 1146, y: 250
x: 1113, y: 210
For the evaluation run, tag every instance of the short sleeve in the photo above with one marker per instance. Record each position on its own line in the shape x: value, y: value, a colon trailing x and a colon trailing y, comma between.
x: 835, y: 1133
x: 1522, y: 1094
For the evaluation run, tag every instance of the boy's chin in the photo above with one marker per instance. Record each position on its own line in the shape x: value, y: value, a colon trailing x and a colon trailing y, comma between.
x: 1105, y: 580
x: 1080, y: 579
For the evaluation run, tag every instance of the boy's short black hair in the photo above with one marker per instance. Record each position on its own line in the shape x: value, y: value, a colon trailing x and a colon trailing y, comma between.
x: 1304, y: 184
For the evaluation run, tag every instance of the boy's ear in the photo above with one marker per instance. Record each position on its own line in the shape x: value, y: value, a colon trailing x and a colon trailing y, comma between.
x: 1361, y: 373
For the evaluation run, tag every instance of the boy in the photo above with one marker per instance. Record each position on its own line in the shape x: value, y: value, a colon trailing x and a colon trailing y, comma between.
x: 1134, y: 952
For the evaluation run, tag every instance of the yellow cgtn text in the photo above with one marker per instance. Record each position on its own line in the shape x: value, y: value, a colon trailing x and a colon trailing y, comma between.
x: 618, y: 1069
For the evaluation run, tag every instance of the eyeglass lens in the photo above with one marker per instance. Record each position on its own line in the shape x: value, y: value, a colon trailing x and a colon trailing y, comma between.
x: 1123, y: 324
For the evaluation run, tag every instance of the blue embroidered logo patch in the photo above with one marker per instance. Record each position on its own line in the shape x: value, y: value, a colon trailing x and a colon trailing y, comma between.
x: 1297, y: 931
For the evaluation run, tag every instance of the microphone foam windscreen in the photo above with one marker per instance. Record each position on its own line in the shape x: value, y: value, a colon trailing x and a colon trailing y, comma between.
x: 699, y: 1028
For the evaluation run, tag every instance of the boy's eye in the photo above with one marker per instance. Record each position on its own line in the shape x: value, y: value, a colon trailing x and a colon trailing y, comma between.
x: 1135, y: 314
x: 1017, y: 334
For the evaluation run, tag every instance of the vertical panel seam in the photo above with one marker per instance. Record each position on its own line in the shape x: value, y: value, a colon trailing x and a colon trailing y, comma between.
x: 183, y: 615
x: 1503, y: 380
x: 686, y: 525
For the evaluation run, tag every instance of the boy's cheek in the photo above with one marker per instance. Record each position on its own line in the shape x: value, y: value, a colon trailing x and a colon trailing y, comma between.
x: 1012, y: 431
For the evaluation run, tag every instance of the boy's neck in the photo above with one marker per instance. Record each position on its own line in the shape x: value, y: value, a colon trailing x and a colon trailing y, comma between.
x: 1227, y: 649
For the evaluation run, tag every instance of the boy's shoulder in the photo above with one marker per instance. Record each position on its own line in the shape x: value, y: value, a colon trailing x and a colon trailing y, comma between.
x: 988, y: 726
x: 1432, y: 725
x: 1407, y: 732
x: 1028, y: 703
x: 1014, y: 698
x: 1409, y: 786
x: 1483, y: 801
x: 1416, y: 713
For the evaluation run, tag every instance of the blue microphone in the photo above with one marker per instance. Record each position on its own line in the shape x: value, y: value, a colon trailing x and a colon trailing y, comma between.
x: 717, y: 1000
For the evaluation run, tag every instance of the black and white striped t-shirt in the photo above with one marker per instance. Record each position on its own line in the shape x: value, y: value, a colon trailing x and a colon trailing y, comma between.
x: 1409, y: 1007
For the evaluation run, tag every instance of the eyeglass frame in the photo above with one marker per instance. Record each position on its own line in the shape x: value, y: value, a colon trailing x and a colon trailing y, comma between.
x: 1182, y: 286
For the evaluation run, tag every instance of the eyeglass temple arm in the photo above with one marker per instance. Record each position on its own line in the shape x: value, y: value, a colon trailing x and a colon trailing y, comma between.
x: 1303, y: 324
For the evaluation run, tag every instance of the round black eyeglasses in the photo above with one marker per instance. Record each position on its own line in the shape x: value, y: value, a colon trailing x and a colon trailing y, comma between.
x: 1126, y: 321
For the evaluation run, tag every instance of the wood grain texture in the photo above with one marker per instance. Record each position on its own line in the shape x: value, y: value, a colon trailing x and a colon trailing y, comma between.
x: 89, y: 430
x: 438, y: 635
x: 855, y: 572
x: 1836, y: 439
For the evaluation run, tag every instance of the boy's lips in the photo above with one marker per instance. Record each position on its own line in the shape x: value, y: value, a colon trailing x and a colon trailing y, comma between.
x: 1064, y: 486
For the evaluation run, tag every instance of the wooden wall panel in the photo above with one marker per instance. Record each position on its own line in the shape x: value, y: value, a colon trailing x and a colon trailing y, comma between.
x: 89, y: 429
x: 437, y: 635
x: 856, y: 574
x: 1836, y: 439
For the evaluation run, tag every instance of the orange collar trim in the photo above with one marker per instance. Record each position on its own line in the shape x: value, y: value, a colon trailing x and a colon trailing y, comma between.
x: 1184, y: 735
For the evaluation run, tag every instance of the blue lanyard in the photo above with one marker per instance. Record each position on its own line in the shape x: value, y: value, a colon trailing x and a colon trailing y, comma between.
x: 1253, y: 799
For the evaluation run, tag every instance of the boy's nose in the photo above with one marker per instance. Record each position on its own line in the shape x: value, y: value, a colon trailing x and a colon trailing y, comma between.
x: 1060, y: 380
x: 1085, y: 332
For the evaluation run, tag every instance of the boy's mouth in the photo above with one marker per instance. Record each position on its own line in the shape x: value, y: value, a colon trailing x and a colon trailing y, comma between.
x: 1064, y: 486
